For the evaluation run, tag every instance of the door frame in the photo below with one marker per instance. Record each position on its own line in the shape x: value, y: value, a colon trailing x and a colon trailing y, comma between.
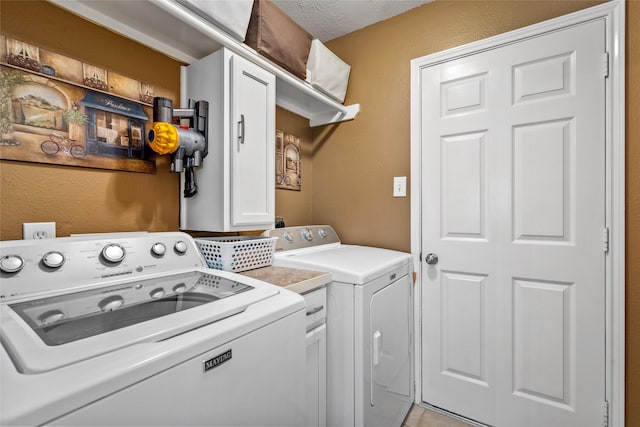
x: 613, y: 13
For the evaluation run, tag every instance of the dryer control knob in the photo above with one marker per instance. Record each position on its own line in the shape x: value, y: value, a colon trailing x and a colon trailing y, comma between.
x: 111, y: 303
x: 287, y: 236
x: 307, y: 234
x: 322, y: 233
x: 180, y: 247
x: 113, y: 253
x: 53, y: 259
x: 11, y: 263
x: 158, y: 249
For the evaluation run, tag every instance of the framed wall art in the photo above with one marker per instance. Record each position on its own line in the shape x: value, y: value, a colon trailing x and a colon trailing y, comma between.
x: 59, y: 110
x: 288, y: 161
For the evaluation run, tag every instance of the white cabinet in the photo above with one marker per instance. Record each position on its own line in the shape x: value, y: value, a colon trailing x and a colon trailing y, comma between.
x: 236, y: 183
x: 316, y: 381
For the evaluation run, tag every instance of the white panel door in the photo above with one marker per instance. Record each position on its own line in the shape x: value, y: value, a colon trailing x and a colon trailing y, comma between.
x: 513, y: 164
x: 252, y: 144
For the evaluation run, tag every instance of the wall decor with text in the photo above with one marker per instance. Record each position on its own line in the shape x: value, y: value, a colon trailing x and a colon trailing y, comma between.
x: 56, y: 109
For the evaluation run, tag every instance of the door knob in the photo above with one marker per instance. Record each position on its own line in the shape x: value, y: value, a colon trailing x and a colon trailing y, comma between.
x: 432, y: 259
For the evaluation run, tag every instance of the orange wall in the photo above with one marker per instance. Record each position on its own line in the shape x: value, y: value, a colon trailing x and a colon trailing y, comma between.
x: 355, y: 162
x: 295, y: 206
x: 82, y: 200
x: 348, y: 166
x: 633, y: 213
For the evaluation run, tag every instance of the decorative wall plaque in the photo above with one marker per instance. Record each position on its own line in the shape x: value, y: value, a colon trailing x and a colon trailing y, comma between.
x: 288, y: 161
x: 56, y: 109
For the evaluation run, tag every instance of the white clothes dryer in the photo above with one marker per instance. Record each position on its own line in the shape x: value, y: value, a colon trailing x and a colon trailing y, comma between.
x: 369, y: 324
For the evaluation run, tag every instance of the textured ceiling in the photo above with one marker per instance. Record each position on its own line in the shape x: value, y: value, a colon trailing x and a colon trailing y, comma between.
x: 329, y: 19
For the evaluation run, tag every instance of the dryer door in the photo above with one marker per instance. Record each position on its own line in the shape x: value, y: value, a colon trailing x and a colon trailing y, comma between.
x: 389, y: 353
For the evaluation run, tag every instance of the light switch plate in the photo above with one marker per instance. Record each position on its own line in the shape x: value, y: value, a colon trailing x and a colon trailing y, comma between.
x: 399, y: 186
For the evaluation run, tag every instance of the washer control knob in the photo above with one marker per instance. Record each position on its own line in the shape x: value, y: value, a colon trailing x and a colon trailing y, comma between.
x: 53, y: 259
x: 307, y: 234
x: 51, y: 316
x: 180, y: 247
x: 158, y: 249
x: 11, y: 263
x: 156, y: 293
x: 179, y: 288
x: 287, y: 236
x: 322, y: 233
x: 111, y: 303
x: 113, y: 253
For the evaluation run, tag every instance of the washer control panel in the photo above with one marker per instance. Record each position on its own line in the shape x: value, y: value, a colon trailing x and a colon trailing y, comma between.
x: 33, y: 266
x: 290, y: 238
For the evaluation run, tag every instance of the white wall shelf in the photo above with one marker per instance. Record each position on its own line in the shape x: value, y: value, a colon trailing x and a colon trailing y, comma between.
x: 172, y: 29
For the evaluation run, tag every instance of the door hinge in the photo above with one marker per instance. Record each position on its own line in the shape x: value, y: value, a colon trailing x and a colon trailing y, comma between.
x: 605, y: 414
x: 605, y: 64
x: 605, y: 240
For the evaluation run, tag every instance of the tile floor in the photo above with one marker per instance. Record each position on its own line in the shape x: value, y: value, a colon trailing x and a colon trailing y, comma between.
x: 421, y: 417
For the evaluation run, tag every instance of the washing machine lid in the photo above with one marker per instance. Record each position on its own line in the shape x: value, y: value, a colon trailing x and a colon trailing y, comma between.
x: 45, y: 333
x: 347, y: 263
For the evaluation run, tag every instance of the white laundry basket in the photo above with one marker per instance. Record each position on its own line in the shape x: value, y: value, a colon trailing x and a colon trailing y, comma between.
x: 237, y: 253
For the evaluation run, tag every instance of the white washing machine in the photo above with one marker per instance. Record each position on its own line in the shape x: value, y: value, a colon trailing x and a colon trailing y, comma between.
x: 369, y: 324
x: 133, y: 329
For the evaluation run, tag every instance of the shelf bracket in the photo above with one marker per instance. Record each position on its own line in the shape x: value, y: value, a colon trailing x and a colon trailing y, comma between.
x: 324, y: 118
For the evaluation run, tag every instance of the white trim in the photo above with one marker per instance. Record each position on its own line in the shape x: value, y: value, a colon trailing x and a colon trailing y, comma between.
x: 616, y: 215
x: 416, y: 222
x: 614, y: 14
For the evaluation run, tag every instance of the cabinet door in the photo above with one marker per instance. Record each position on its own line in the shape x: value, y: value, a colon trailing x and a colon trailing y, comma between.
x: 252, y: 144
x: 389, y: 355
x: 317, y: 377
